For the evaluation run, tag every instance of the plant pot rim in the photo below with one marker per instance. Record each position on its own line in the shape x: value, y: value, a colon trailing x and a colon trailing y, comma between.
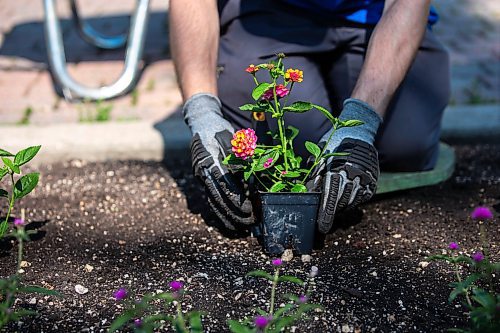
x: 287, y: 193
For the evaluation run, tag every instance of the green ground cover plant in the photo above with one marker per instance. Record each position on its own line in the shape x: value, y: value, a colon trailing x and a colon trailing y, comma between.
x: 477, y: 280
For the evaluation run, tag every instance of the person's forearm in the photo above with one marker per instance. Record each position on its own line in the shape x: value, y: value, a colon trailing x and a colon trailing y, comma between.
x: 391, y: 50
x: 194, y: 38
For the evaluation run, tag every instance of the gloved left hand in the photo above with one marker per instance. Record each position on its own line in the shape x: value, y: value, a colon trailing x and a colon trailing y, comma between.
x: 209, y: 146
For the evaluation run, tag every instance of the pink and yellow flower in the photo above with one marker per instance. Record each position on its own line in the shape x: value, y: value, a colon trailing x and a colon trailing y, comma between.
x: 244, y: 143
x: 252, y: 69
x: 281, y: 91
x: 294, y: 75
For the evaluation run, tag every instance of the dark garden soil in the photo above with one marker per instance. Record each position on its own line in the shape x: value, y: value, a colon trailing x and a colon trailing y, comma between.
x: 141, y: 224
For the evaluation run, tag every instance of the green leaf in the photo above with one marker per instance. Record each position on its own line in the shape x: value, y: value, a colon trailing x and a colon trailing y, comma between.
x: 291, y: 174
x: 439, y: 257
x: 237, y: 327
x: 121, y: 321
x: 195, y: 322
x: 351, y: 123
x: 3, y: 172
x: 19, y: 314
x: 298, y: 107
x: 272, y: 153
x: 278, y: 186
x: 38, y: 290
x: 335, y: 154
x: 313, y: 148
x: 326, y: 113
x: 261, y: 274
x: 291, y: 133
x: 284, y: 321
x: 247, y: 174
x: 11, y: 165
x: 4, y: 225
x: 260, y: 89
x: 290, y: 278
x: 26, y: 155
x: 299, y: 188
x: 5, y: 153
x: 231, y: 159
x: 165, y: 296
x: 25, y: 184
x: 3, y: 193
x: 252, y: 108
x: 293, y: 160
x: 484, y: 298
x: 461, y: 287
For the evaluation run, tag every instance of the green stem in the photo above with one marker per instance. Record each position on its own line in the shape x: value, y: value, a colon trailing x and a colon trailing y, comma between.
x: 19, y: 252
x: 3, y: 226
x: 273, y: 290
x: 180, y: 318
x: 261, y: 183
x: 279, y: 117
x: 484, y: 243
x: 317, y: 160
x: 255, y: 80
x: 460, y: 281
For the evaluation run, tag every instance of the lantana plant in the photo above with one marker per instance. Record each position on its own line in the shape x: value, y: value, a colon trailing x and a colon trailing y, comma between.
x: 274, y: 320
x: 479, y: 289
x: 149, y: 313
x: 277, y: 167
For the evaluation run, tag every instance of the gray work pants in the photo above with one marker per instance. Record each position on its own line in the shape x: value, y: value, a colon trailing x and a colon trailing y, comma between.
x: 331, y: 56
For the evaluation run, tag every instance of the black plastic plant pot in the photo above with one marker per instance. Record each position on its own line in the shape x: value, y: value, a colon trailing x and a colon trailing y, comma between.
x: 287, y: 221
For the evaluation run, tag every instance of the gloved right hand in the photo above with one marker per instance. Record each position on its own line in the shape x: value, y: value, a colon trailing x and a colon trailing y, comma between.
x: 210, y: 144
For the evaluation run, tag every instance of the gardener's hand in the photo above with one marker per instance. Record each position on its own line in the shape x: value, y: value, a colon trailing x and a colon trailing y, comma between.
x: 350, y: 178
x: 209, y: 146
x: 346, y: 181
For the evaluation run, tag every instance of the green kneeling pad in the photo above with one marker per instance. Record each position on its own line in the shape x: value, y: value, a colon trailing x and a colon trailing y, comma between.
x: 396, y: 181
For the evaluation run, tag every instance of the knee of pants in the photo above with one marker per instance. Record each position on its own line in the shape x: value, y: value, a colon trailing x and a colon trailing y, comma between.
x: 409, y: 156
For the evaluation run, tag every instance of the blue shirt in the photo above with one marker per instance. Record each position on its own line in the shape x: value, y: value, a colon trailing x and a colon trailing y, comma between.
x: 359, y: 11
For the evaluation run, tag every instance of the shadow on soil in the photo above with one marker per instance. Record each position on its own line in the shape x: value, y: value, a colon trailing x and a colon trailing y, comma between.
x: 6, y: 245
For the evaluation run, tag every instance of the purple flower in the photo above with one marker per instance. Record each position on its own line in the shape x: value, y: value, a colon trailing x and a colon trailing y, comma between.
x: 138, y: 322
x: 303, y: 299
x: 261, y: 321
x: 481, y: 213
x: 176, y: 285
x: 478, y: 256
x: 120, y: 294
x: 18, y: 222
x: 277, y: 262
x: 453, y: 246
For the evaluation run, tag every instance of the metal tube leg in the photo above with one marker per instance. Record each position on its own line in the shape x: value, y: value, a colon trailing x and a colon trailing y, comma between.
x: 92, y: 36
x: 57, y: 58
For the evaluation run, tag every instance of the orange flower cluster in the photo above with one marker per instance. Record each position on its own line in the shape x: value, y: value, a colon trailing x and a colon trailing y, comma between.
x: 244, y: 143
x: 294, y: 75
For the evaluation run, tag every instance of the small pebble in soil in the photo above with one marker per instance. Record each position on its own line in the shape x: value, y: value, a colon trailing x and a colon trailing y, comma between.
x: 81, y: 289
x: 287, y: 255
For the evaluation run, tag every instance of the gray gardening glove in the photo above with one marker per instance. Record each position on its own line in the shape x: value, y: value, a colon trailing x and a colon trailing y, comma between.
x: 210, y: 144
x: 349, y: 180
